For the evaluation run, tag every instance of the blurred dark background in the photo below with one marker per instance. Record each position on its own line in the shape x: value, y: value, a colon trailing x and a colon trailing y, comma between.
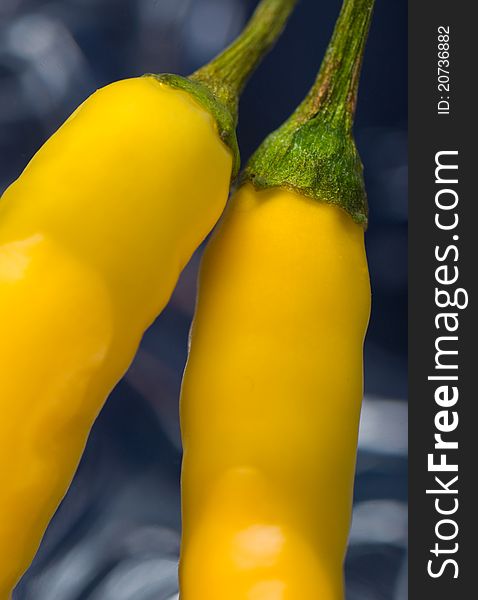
x: 116, y: 535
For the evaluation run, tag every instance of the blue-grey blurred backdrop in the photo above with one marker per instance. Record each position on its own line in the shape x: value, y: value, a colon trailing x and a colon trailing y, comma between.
x: 116, y: 535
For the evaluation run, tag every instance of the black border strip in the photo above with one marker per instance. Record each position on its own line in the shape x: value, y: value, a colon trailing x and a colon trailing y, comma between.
x: 430, y: 133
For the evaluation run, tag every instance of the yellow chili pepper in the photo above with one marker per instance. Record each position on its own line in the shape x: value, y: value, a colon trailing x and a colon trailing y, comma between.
x: 272, y: 390
x: 93, y: 236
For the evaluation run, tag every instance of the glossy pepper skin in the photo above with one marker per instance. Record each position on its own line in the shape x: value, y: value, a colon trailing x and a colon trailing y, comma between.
x: 87, y: 261
x: 271, y: 401
x: 272, y: 390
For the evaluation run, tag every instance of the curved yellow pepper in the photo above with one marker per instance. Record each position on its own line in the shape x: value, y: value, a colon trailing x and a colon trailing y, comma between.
x: 271, y: 401
x: 93, y: 236
x: 87, y: 261
x: 272, y: 390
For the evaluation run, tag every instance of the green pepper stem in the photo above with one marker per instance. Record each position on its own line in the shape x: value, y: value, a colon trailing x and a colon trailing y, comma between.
x: 227, y: 74
x: 313, y: 152
x: 334, y: 93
